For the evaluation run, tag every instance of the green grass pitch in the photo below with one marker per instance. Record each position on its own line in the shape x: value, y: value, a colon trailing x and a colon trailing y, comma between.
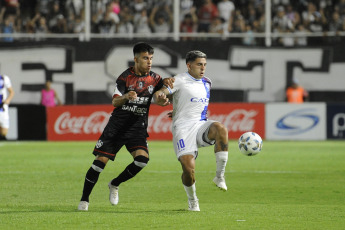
x: 289, y: 185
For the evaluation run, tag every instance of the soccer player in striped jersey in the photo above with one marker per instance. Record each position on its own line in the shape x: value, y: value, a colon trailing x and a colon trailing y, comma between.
x: 128, y: 123
x: 191, y: 128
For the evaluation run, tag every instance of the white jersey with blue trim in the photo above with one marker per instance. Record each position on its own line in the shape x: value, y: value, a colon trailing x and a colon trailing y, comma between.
x: 5, y: 83
x: 190, y: 99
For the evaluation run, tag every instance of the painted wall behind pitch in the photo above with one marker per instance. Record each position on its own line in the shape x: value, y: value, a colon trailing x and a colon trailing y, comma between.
x: 295, y: 121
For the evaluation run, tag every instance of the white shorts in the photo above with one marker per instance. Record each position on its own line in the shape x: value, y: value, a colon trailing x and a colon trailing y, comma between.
x: 189, y: 138
x: 4, y: 118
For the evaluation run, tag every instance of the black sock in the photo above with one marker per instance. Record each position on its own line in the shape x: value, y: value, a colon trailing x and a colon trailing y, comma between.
x: 2, y: 138
x: 131, y: 170
x: 91, y: 179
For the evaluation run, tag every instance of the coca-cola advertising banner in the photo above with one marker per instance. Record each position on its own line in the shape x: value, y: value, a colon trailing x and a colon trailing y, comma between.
x: 237, y: 117
x: 87, y: 122
x: 77, y: 122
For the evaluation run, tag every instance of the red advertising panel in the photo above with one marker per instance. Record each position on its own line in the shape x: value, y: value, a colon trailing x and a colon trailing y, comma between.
x: 77, y: 122
x: 237, y: 117
x: 86, y: 122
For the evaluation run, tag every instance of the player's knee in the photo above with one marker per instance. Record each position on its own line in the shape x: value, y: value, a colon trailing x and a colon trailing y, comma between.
x: 141, y: 161
x: 221, y: 129
x: 93, y: 173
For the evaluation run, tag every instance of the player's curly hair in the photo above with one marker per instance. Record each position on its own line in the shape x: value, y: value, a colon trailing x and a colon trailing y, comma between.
x: 194, y: 54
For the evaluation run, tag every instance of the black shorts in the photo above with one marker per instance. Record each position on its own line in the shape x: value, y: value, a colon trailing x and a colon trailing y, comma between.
x: 109, y: 148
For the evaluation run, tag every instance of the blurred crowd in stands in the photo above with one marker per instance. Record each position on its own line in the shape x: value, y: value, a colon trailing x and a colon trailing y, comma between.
x: 147, y: 17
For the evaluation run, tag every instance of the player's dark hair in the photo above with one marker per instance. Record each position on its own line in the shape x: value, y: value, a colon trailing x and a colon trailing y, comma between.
x: 194, y: 54
x: 142, y: 47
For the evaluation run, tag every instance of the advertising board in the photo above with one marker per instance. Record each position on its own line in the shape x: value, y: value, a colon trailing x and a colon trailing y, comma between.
x: 305, y: 121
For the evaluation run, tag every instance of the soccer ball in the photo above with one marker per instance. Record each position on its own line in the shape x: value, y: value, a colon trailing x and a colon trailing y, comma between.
x: 250, y: 143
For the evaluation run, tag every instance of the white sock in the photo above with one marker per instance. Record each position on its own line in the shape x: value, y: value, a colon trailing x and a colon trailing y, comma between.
x: 191, y: 192
x: 221, y: 159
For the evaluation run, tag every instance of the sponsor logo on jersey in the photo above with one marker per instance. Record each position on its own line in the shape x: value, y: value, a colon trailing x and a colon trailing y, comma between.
x: 199, y: 99
x: 135, y: 109
x: 140, y: 101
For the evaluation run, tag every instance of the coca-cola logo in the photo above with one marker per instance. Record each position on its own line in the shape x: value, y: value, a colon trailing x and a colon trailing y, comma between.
x: 160, y: 123
x: 92, y: 124
x: 238, y: 120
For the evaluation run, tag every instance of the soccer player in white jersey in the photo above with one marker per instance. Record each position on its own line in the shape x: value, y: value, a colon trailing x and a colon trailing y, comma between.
x: 191, y: 129
x: 6, y: 95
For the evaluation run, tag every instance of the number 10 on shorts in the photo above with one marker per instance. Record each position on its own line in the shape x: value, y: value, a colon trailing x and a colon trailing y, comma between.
x: 180, y: 144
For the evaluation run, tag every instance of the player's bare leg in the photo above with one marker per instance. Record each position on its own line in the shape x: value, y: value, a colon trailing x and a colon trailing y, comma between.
x: 188, y: 180
x: 3, y: 133
x: 219, y: 133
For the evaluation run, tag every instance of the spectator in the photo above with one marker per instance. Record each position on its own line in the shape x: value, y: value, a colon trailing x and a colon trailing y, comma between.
x: 238, y: 25
x: 12, y: 6
x: 312, y: 18
x: 249, y: 38
x: 7, y: 24
x: 335, y: 23
x: 137, y: 8
x: 39, y: 26
x: 301, y: 39
x: 341, y: 8
x: 60, y: 26
x: 161, y: 20
x: 185, y: 8
x: 280, y: 21
x: 189, y: 24
x: 55, y: 16
x: 109, y: 21
x: 126, y: 24
x: 141, y: 24
x: 115, y: 5
x: 49, y: 97
x: 217, y: 26
x: 296, y: 93
x: 226, y: 9
x: 74, y: 7
x: 206, y: 13
x: 44, y: 6
x: 293, y: 16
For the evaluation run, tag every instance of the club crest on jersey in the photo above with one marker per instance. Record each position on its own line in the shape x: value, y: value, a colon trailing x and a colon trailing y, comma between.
x: 150, y: 89
x: 140, y: 84
x: 99, y: 144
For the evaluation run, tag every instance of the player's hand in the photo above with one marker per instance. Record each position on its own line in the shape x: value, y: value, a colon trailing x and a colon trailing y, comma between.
x: 131, y: 95
x: 169, y: 82
x: 162, y: 100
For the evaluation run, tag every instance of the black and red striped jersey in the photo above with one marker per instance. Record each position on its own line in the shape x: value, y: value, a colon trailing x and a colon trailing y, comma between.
x: 131, y: 119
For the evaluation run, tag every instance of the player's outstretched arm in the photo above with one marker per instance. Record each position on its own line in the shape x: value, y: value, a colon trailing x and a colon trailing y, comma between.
x: 169, y: 82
